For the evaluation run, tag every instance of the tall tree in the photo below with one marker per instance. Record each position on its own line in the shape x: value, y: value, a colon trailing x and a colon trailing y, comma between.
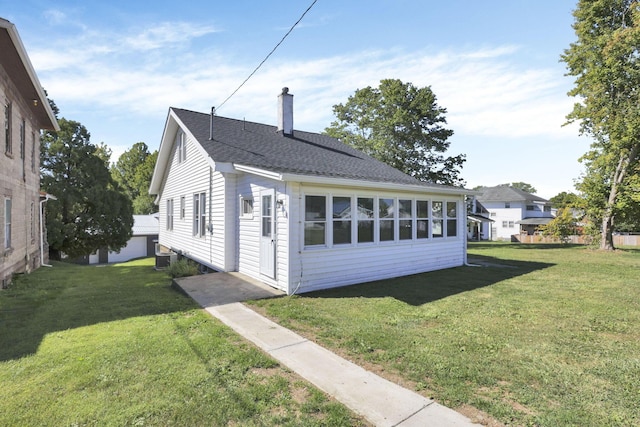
x: 605, y: 60
x: 133, y: 171
x: 401, y: 125
x: 566, y: 200
x: 522, y: 186
x: 90, y: 211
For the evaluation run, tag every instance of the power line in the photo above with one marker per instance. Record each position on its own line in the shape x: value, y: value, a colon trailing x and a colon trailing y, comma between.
x: 267, y: 57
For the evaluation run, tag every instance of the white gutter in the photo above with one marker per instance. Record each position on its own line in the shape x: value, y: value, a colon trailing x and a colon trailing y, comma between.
x: 47, y: 197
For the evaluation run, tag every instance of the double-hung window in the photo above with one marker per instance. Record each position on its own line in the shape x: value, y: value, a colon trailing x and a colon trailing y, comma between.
x: 181, y: 147
x: 169, y: 214
x: 386, y: 219
x: 406, y: 219
x: 341, y: 220
x: 366, y: 218
x: 8, y: 147
x: 422, y: 219
x: 23, y: 137
x: 199, y: 214
x: 315, y: 223
x: 33, y: 152
x: 7, y: 223
x: 436, y: 215
x: 452, y: 219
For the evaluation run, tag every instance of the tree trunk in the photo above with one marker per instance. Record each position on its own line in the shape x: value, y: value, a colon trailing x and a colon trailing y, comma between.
x: 606, y: 241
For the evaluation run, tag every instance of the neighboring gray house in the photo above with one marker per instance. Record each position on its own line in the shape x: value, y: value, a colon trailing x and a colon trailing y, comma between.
x: 142, y: 243
x: 276, y: 205
x: 513, y: 211
x: 24, y: 112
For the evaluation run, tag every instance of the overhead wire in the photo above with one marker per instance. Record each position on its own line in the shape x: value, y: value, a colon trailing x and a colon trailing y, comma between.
x: 268, y: 55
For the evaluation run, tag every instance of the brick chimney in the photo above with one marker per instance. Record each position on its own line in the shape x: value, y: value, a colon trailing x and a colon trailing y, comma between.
x: 285, y: 112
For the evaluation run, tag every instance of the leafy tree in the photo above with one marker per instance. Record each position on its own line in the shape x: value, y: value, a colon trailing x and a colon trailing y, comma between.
x: 401, y: 125
x: 522, y: 186
x: 133, y: 171
x: 605, y: 60
x: 562, y: 226
x: 566, y: 200
x: 91, y: 212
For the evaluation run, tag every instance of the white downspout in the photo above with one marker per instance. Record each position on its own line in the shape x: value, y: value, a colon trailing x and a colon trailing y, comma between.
x: 42, y: 202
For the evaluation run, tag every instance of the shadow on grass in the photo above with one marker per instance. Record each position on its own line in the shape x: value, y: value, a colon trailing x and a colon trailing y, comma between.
x: 423, y: 288
x: 70, y: 296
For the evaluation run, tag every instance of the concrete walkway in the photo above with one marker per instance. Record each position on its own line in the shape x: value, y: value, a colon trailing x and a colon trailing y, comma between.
x: 379, y: 401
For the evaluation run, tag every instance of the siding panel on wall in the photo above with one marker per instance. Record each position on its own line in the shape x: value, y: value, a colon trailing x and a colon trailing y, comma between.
x: 186, y: 179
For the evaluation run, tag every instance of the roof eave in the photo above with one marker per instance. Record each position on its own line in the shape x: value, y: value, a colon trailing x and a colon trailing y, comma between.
x: 33, y: 77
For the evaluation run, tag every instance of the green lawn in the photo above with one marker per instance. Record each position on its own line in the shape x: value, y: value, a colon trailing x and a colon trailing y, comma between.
x: 545, y: 336
x: 116, y: 345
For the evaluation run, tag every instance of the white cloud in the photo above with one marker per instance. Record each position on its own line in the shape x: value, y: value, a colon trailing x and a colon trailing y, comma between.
x: 485, y: 90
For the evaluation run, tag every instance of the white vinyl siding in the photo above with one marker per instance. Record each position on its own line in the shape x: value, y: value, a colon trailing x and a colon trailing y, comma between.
x: 195, y: 176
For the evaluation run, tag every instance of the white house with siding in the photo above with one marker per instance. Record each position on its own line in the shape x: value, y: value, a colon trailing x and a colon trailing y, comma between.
x: 513, y: 211
x: 299, y: 211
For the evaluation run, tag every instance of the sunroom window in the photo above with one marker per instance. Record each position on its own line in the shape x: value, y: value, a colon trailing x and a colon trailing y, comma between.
x: 315, y: 223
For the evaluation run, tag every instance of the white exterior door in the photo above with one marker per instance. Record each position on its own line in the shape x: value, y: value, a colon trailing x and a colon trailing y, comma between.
x: 267, y: 234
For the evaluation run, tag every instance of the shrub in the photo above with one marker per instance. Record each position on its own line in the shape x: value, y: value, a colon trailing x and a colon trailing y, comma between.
x: 182, y: 268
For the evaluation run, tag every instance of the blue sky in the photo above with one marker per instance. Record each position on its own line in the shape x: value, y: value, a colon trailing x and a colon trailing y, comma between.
x: 118, y: 66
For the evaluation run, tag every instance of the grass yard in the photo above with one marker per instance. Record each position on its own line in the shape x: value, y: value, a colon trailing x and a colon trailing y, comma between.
x: 117, y: 346
x: 543, y: 335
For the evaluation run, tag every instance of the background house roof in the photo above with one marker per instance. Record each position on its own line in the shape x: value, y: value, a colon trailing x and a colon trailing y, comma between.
x: 305, y: 153
x: 505, y: 193
x: 144, y: 225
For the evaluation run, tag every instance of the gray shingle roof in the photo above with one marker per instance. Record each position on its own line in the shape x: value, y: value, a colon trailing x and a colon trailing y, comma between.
x: 304, y: 153
x: 144, y: 225
x: 504, y: 193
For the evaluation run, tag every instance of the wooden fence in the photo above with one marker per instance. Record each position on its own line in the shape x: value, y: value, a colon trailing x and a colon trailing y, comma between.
x: 618, y: 240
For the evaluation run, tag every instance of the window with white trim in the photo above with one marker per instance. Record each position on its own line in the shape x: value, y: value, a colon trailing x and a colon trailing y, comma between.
x: 366, y: 218
x: 182, y: 207
x: 422, y: 219
x: 246, y: 207
x: 437, y: 219
x: 341, y: 220
x: 405, y: 219
x: 315, y: 220
x: 169, y: 214
x: 199, y: 214
x: 452, y: 219
x: 386, y: 219
x: 181, y: 146
x: 7, y: 223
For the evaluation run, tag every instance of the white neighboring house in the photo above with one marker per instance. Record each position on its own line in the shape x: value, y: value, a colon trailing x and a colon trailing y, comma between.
x: 276, y: 205
x: 142, y: 243
x: 513, y: 211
